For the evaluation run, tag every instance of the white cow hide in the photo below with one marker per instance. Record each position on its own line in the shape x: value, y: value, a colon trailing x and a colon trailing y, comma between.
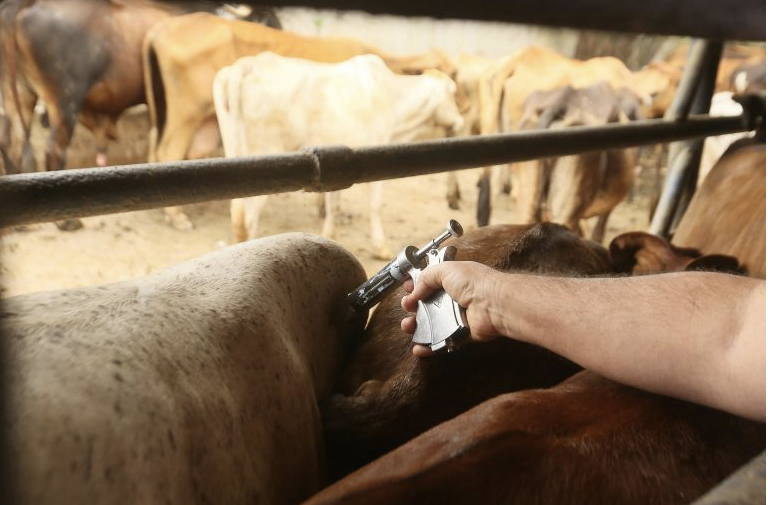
x: 199, y: 384
x: 268, y: 104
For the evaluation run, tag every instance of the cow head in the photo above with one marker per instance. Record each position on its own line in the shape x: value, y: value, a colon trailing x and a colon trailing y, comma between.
x: 641, y: 253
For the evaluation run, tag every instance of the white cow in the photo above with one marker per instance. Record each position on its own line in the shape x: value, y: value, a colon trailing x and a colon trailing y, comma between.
x: 269, y: 104
x: 199, y: 384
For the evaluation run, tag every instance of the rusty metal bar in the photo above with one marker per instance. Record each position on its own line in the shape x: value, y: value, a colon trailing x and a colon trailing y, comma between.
x: 725, y: 19
x: 696, y: 87
x: 48, y: 196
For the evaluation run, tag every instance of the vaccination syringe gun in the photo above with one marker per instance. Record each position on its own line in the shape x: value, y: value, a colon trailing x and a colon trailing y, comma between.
x: 440, y: 322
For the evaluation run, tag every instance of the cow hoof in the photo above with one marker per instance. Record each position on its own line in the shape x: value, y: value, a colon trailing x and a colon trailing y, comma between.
x: 69, y: 224
x: 180, y: 222
x: 383, y: 253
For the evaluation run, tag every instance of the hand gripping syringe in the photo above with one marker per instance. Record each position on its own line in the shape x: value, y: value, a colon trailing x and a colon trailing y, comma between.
x: 440, y: 321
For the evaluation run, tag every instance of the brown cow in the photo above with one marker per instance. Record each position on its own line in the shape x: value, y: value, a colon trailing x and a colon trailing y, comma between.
x: 83, y: 59
x: 183, y: 54
x: 578, y: 186
x: 388, y: 396
x: 727, y: 212
x: 587, y: 440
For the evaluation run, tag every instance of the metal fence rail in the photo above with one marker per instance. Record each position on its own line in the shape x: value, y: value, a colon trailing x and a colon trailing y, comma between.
x: 48, y: 196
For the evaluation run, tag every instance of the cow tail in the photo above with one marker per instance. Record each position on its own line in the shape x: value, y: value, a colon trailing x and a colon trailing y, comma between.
x: 154, y: 92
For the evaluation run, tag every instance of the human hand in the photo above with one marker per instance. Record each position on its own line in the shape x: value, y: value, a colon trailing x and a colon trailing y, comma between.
x: 473, y: 285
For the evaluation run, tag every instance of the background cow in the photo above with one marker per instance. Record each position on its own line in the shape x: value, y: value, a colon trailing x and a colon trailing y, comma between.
x: 268, y: 104
x: 539, y: 69
x: 182, y: 56
x: 570, y: 188
x: 196, y: 385
x: 83, y: 59
x: 727, y: 212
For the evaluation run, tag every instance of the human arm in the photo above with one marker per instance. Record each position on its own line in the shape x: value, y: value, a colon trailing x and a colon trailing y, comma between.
x: 691, y: 335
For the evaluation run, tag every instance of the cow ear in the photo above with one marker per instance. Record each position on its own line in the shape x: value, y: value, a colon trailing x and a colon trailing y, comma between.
x: 716, y: 263
x: 640, y: 253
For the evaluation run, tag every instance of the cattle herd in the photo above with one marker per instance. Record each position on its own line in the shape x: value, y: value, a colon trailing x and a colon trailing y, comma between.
x: 239, y: 377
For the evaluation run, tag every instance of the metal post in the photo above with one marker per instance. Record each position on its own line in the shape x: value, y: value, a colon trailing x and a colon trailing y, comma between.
x: 745, y: 486
x: 693, y: 95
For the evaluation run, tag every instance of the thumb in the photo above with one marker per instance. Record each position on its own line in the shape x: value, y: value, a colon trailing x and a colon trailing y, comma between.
x: 430, y: 280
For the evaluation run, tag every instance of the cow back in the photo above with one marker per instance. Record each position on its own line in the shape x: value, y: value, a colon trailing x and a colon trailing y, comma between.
x: 727, y: 213
x: 197, y: 384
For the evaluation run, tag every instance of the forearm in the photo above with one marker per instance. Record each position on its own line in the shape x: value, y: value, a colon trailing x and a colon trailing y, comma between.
x: 694, y: 336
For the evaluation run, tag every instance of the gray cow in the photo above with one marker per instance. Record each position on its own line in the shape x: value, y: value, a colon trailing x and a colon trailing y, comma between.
x: 199, y: 384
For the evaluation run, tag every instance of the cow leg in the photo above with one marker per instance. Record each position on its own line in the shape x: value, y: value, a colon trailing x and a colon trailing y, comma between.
x: 252, y: 212
x: 381, y: 251
x: 484, y: 197
x: 62, y: 126
x: 321, y: 205
x: 244, y: 215
x: 332, y: 199
x: 504, y: 178
x: 16, y: 139
x: 529, y: 176
x: 598, y: 232
x: 237, y: 220
x: 205, y: 141
x: 56, y: 148
x: 453, y: 194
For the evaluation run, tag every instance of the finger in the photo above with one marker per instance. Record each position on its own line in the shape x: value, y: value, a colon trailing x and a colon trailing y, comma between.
x: 408, y: 325
x: 422, y: 351
x: 429, y: 280
x: 408, y: 285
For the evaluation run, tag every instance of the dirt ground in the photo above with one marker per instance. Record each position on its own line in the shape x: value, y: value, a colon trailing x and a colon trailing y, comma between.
x: 121, y: 246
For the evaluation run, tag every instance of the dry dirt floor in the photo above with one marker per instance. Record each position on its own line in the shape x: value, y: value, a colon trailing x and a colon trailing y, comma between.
x: 120, y: 246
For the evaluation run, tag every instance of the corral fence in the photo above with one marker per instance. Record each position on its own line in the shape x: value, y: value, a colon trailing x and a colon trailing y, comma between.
x: 29, y: 198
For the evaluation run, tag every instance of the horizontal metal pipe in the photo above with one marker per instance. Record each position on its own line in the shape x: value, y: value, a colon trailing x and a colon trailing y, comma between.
x: 38, y: 197
x: 724, y: 19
